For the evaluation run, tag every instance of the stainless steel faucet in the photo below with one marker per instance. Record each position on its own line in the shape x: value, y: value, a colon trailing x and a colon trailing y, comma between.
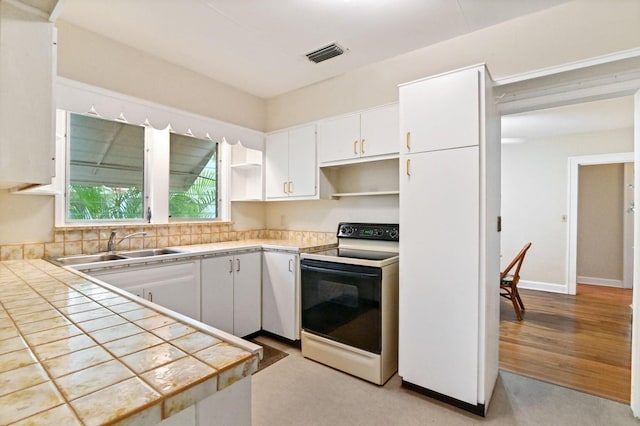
x: 111, y: 245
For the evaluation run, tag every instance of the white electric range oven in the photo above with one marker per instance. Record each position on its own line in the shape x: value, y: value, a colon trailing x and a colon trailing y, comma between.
x: 349, y: 300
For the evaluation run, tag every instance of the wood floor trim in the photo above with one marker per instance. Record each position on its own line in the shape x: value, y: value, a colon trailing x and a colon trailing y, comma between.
x: 581, y: 342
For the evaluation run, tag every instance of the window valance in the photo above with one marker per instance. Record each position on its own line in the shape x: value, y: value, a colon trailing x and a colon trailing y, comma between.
x: 83, y: 98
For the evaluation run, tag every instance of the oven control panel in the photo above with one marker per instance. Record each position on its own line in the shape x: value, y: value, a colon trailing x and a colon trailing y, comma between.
x: 369, y: 231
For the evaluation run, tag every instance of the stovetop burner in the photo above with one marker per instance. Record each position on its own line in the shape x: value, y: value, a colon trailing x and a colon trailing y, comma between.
x: 357, y: 254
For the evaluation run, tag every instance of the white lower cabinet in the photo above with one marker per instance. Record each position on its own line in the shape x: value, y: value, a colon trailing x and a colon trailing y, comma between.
x: 175, y: 286
x: 231, y: 293
x: 281, y: 294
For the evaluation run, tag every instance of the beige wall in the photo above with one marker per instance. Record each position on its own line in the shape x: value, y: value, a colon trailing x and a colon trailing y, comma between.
x: 570, y: 32
x: 25, y: 218
x: 93, y: 59
x: 535, y: 198
x: 600, y: 221
x: 324, y: 215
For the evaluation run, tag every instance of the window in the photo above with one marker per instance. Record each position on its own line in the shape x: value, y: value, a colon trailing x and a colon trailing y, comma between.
x: 193, y: 178
x: 110, y: 163
x: 106, y: 170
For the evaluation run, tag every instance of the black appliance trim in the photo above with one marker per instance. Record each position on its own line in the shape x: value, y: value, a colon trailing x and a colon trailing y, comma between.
x: 477, y: 409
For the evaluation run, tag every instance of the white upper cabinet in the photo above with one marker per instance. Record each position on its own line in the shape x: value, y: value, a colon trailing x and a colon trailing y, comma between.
x: 290, y: 163
x: 370, y: 133
x: 27, y: 113
x: 339, y: 138
x: 440, y: 113
x: 277, y: 165
x: 379, y: 131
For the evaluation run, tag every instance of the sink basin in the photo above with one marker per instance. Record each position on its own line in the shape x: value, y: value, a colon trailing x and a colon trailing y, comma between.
x: 89, y: 258
x: 105, y: 257
x: 149, y: 252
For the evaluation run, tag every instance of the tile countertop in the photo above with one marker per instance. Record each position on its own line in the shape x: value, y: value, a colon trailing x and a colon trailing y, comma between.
x: 76, y: 352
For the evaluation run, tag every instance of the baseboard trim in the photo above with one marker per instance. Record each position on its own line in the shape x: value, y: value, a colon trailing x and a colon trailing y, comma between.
x: 601, y: 281
x: 477, y: 409
x: 542, y: 286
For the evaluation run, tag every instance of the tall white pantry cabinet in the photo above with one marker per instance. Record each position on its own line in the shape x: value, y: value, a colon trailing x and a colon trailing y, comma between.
x: 449, y: 250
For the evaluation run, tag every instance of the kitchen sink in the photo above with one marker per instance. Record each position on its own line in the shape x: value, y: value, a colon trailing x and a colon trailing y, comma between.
x: 89, y: 258
x: 105, y: 257
x: 150, y: 252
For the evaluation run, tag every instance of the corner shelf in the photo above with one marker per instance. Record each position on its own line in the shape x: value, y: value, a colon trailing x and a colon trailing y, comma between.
x: 246, y: 165
x: 246, y: 173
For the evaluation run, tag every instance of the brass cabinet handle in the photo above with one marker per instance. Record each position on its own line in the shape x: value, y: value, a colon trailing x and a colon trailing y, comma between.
x: 290, y: 187
x: 231, y: 266
x: 362, y: 147
x: 355, y: 147
x: 238, y: 262
x: 284, y: 187
x: 290, y: 265
x: 408, y: 167
x: 408, y: 142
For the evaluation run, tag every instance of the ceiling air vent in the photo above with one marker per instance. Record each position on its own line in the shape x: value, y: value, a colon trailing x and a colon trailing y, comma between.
x: 324, y: 53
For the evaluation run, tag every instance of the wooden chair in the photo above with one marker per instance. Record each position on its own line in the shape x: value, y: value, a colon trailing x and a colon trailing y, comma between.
x: 509, y: 282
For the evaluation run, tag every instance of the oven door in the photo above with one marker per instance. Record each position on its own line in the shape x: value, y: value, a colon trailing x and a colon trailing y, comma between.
x: 341, y: 302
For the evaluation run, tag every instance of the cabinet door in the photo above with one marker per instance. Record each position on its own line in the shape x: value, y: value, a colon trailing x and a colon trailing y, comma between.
x: 277, y: 165
x: 440, y: 112
x: 339, y: 138
x: 247, y: 306
x: 439, y: 204
x: 175, y: 286
x: 302, y: 161
x: 27, y: 72
x: 280, y: 295
x: 178, y: 290
x: 379, y: 131
x: 217, y: 292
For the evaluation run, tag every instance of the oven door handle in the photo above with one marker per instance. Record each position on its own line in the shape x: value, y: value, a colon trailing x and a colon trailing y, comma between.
x: 337, y: 271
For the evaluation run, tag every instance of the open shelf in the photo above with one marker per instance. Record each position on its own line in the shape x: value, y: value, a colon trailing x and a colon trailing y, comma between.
x: 363, y: 194
x: 365, y: 179
x: 246, y: 165
x: 246, y: 173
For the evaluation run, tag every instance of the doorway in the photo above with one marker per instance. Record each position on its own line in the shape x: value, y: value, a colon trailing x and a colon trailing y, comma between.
x: 575, y: 163
x: 536, y: 186
x: 605, y: 224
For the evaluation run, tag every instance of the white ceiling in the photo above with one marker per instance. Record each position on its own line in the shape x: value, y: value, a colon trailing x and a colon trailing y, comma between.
x: 258, y: 46
x: 594, y: 116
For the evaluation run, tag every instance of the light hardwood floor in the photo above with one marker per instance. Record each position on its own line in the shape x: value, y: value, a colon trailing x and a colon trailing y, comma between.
x: 581, y: 342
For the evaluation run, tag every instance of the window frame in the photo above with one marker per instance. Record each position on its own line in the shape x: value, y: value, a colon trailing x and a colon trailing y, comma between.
x: 155, y: 181
x: 67, y: 168
x: 218, y: 146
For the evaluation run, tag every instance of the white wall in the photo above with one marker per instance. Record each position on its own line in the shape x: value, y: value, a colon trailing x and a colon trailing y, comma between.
x: 535, y: 198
